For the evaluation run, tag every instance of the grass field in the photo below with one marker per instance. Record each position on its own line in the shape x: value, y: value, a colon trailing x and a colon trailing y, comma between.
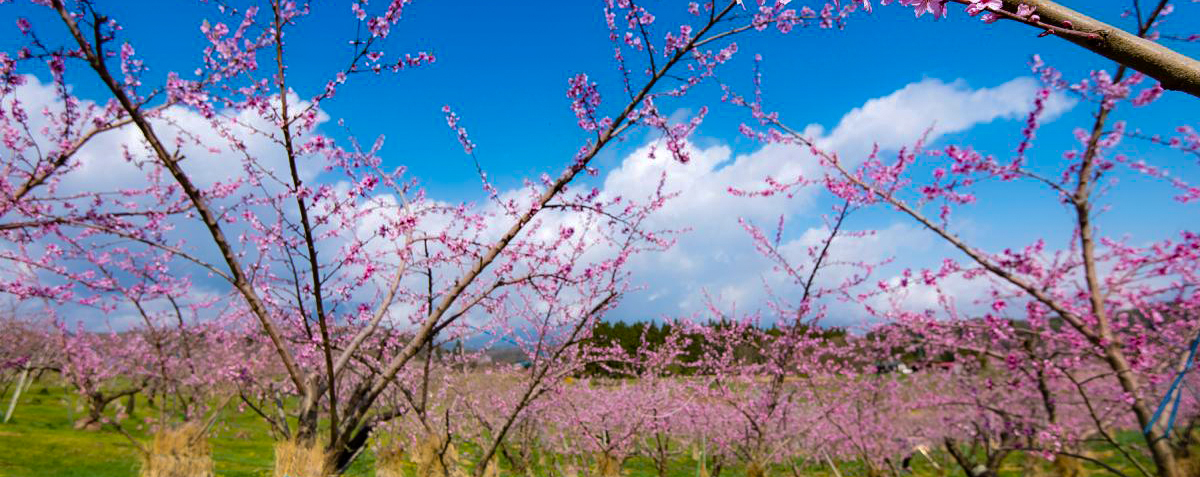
x: 39, y: 441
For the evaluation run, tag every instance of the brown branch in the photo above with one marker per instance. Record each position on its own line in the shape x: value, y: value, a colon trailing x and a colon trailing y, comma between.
x: 619, y: 124
x: 39, y: 177
x: 1095, y: 415
x: 1174, y: 70
x: 309, y: 241
x: 533, y: 390
x: 96, y: 58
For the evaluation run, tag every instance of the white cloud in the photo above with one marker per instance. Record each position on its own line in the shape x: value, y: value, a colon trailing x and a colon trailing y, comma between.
x: 952, y: 294
x: 900, y: 118
x: 717, y: 255
x: 103, y: 165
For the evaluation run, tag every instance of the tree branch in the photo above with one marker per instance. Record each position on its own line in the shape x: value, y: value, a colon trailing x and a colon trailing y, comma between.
x: 1174, y: 70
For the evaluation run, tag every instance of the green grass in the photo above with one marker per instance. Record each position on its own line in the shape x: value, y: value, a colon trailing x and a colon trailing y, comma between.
x: 39, y: 441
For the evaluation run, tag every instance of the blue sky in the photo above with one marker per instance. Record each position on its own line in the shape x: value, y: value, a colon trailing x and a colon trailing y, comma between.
x: 503, y: 67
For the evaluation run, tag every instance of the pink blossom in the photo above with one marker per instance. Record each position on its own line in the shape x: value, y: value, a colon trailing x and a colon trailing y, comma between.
x: 978, y: 6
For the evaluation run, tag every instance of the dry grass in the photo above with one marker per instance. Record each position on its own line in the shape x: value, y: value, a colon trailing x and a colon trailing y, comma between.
x: 1065, y: 466
x: 1190, y: 466
x: 607, y: 465
x: 390, y: 462
x: 294, y: 459
x: 432, y: 457
x: 436, y: 457
x: 754, y: 469
x: 178, y: 452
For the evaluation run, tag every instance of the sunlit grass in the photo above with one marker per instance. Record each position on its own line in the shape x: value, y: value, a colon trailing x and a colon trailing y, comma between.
x: 39, y: 441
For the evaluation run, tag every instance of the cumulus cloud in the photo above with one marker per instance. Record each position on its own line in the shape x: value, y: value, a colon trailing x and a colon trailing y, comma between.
x: 118, y: 159
x: 716, y: 258
x: 900, y: 118
x: 102, y: 165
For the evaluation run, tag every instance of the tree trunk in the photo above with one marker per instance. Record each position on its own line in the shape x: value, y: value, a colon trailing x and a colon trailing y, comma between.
x: 1160, y: 449
x: 95, y: 409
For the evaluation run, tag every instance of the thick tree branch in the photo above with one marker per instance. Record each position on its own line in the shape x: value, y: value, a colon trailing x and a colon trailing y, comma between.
x: 1174, y: 70
x: 96, y: 58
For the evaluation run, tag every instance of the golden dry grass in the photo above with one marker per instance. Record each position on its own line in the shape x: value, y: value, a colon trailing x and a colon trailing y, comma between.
x: 435, y: 457
x: 178, y: 452
x: 754, y: 469
x: 432, y: 457
x: 295, y: 459
x: 607, y: 466
x: 1065, y: 466
x: 390, y: 461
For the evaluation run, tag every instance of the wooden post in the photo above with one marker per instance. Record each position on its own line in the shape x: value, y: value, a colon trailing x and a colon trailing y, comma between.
x: 833, y: 466
x: 12, y: 404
